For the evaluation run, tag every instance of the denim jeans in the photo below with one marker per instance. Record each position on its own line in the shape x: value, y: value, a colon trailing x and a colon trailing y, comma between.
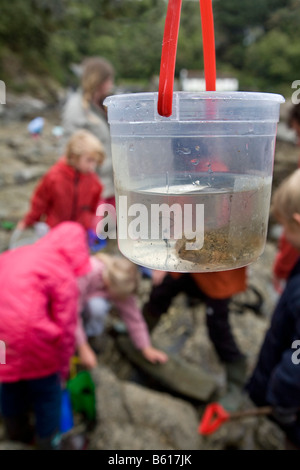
x: 42, y: 396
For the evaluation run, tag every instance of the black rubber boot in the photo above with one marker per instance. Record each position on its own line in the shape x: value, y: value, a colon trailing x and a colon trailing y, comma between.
x: 18, y: 429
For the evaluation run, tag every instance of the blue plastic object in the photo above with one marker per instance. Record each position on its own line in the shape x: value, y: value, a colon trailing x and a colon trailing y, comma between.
x: 66, y: 419
x: 36, y: 125
x: 146, y: 272
x: 94, y: 242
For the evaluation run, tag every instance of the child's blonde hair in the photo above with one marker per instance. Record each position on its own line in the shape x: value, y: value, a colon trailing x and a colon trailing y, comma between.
x: 120, y: 275
x: 286, y: 198
x: 82, y: 142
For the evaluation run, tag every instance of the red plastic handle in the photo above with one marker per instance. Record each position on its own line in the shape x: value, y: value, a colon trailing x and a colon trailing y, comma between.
x: 168, y: 58
x: 214, y: 415
x: 208, y: 37
x: 169, y: 49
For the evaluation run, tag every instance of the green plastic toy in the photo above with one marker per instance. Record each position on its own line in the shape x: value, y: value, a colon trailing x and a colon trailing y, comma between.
x: 83, y: 397
x: 7, y: 225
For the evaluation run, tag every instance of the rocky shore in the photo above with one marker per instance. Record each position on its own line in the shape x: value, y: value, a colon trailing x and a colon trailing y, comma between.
x: 133, y: 411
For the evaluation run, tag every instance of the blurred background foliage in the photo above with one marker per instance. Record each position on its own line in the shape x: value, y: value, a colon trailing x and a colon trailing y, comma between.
x: 256, y: 41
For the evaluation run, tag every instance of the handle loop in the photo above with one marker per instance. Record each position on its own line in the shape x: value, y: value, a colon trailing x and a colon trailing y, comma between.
x: 169, y: 49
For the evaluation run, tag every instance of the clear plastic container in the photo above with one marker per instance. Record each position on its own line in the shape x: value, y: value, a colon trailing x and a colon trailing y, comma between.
x: 193, y: 190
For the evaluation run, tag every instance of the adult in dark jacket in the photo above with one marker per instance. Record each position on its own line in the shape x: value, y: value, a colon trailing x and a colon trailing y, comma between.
x: 276, y: 378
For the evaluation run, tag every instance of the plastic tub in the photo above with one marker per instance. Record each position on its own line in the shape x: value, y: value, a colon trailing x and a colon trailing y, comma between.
x: 193, y: 190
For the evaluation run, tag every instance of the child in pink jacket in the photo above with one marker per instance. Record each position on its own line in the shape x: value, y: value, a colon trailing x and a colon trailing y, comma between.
x: 38, y: 319
x: 112, y: 280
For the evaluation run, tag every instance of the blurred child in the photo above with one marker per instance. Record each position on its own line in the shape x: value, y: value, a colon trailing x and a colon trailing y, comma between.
x: 287, y: 255
x: 215, y: 289
x: 70, y: 190
x: 39, y: 311
x: 113, y: 280
x: 276, y: 378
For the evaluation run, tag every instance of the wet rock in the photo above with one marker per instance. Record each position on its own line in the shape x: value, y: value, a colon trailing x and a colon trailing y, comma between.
x: 15, y: 201
x: 39, y: 153
x: 109, y: 397
x: 174, y: 419
x: 268, y: 435
x: 15, y: 142
x: 261, y: 277
x: 10, y: 445
x: 22, y: 107
x: 285, y: 161
x: 132, y: 417
x: 4, y: 240
x: 127, y: 437
x: 229, y: 436
x: 29, y: 174
x: 176, y: 374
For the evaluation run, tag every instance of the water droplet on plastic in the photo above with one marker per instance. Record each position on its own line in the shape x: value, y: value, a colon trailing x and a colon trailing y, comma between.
x: 247, y: 146
x: 195, y: 161
x: 131, y: 148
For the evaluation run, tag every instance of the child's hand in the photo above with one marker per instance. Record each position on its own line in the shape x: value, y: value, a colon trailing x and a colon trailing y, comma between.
x: 154, y: 355
x: 87, y: 356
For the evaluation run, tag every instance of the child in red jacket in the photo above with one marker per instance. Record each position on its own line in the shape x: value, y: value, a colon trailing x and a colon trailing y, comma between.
x: 39, y: 310
x: 70, y: 190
